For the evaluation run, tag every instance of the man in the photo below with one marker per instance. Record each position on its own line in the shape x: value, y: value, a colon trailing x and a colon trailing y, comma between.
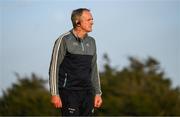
x: 74, y: 78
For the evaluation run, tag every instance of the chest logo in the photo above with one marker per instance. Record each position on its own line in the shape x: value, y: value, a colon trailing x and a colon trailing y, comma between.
x: 75, y: 44
x: 87, y: 44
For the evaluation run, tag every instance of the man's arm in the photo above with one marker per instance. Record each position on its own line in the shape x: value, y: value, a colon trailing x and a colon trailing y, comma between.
x: 95, y: 76
x: 96, y: 80
x: 59, y: 51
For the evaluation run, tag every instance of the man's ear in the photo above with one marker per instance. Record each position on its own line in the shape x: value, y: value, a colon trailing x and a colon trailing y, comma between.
x: 78, y: 23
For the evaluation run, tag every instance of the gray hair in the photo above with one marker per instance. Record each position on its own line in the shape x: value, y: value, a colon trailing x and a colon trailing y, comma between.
x: 76, y: 14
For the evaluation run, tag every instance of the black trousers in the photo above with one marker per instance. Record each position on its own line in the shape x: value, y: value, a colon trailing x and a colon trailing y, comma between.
x: 77, y: 102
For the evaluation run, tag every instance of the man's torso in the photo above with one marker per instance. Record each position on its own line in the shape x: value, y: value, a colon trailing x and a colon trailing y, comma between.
x: 75, y: 69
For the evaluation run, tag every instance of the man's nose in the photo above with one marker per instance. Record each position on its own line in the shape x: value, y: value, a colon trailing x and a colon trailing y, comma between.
x: 92, y: 22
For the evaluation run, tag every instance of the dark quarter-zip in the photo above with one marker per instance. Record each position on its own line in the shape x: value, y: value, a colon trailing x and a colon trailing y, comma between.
x: 73, y: 64
x: 75, y: 69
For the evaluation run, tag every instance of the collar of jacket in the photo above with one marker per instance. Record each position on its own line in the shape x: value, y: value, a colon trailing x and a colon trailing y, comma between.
x: 77, y: 38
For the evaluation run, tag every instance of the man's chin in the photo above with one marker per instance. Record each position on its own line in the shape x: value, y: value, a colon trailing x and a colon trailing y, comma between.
x: 90, y: 30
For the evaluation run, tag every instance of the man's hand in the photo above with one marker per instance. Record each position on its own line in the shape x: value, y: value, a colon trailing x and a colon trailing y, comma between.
x: 97, y: 101
x: 56, y: 100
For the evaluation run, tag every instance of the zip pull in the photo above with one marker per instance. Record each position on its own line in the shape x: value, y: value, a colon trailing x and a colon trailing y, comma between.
x: 82, y: 45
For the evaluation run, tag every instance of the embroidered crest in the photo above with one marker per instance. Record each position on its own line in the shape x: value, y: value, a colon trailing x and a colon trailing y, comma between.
x: 87, y: 44
x: 75, y: 44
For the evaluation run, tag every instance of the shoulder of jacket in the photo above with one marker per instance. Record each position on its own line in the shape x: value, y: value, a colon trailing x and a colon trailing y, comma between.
x: 63, y: 36
x: 91, y: 39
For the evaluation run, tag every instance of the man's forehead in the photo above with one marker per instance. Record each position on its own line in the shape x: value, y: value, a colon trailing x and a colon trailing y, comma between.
x: 87, y: 14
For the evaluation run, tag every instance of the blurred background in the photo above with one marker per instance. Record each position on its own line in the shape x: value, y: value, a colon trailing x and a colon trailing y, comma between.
x: 137, y: 45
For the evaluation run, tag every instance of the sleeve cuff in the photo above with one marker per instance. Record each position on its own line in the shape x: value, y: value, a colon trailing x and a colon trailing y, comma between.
x: 99, y: 93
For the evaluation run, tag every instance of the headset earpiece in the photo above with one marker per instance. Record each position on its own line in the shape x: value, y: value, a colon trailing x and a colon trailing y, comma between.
x: 78, y: 23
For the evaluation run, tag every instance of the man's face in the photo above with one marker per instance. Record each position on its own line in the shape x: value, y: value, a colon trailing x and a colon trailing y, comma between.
x: 86, y: 21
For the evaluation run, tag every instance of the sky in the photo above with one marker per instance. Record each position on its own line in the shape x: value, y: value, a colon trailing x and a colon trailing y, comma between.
x: 122, y: 28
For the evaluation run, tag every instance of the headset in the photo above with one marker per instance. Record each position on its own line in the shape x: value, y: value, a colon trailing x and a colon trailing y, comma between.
x: 78, y: 23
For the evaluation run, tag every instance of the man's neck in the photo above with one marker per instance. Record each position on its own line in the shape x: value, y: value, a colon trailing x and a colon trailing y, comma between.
x: 79, y: 33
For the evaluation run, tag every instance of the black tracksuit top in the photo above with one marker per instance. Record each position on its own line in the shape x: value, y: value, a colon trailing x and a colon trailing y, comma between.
x: 74, y: 64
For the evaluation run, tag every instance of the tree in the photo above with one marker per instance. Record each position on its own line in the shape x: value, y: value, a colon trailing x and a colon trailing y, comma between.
x: 139, y: 89
x: 27, y: 97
